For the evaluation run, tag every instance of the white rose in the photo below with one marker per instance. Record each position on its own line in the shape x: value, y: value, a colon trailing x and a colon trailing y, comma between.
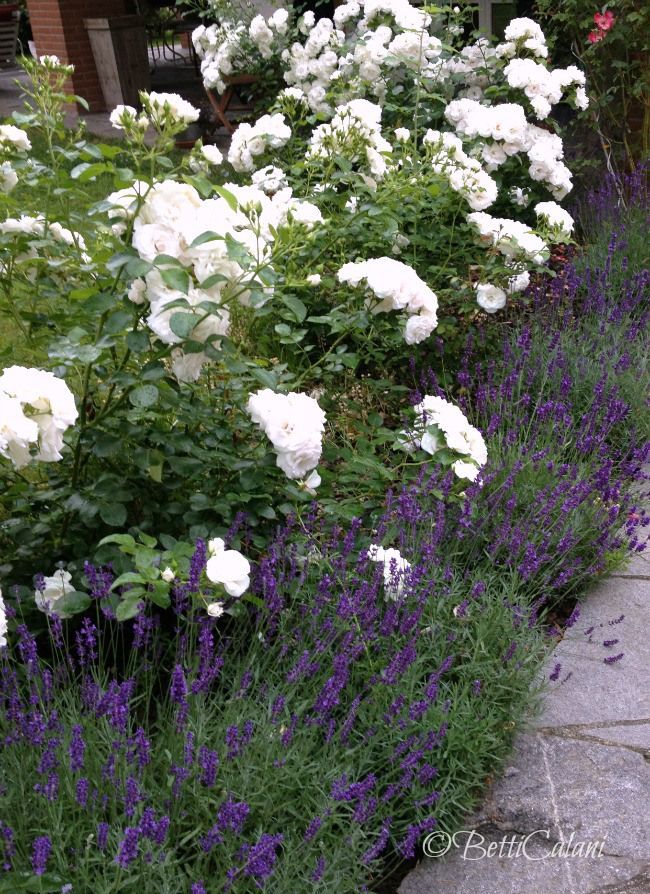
x: 491, y: 298
x: 212, y: 154
x: 229, y: 568
x: 54, y: 589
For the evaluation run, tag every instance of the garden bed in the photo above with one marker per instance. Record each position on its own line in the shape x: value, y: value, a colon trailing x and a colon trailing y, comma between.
x: 285, y: 532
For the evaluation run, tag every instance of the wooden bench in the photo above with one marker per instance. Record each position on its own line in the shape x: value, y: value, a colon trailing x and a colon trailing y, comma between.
x: 223, y: 104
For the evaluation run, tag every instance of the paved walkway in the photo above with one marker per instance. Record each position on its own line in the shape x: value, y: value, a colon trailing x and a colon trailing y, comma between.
x: 579, y: 781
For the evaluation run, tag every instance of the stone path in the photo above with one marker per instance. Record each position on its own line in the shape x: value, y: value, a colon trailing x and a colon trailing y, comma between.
x: 578, y: 786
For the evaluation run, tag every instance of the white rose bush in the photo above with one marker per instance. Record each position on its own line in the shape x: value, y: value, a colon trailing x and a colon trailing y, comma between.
x: 201, y: 301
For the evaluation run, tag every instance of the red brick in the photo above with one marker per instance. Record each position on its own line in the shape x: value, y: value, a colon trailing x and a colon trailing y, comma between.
x: 58, y: 29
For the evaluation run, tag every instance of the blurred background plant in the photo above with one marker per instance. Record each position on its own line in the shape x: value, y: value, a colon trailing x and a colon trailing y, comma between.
x: 612, y: 44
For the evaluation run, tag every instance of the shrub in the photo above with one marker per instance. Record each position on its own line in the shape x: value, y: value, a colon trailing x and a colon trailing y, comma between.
x: 171, y: 302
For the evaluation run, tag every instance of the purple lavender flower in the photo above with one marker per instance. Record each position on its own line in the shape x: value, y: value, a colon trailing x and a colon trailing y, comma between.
x: 81, y: 791
x: 555, y: 673
x: 261, y: 858
x: 208, y: 761
x: 198, y: 888
x: 77, y: 749
x: 313, y: 828
x: 612, y: 659
x: 128, y: 850
x: 102, y: 835
x: 319, y: 869
x: 40, y: 854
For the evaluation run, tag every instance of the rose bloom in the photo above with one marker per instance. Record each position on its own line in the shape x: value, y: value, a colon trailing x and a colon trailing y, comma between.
x: 227, y: 567
x: 604, y: 21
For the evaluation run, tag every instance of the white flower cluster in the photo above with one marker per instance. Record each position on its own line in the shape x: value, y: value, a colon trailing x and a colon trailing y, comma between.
x: 36, y: 408
x: 311, y: 66
x: 545, y: 156
x: 263, y: 32
x: 159, y: 110
x: 270, y: 179
x: 227, y: 567
x: 40, y: 227
x: 354, y: 131
x: 523, y: 35
x: 167, y: 218
x: 294, y: 423
x: 464, y: 174
x: 505, y: 124
x: 14, y: 137
x: 473, y: 68
x: 48, y: 598
x: 438, y: 424
x: 368, y: 45
x: 220, y: 49
x: 513, y: 239
x: 251, y: 140
x: 237, y: 46
x: 555, y: 218
x: 164, y: 108
x: 544, y: 87
x: 395, y: 569
x: 53, y: 63
x: 396, y: 286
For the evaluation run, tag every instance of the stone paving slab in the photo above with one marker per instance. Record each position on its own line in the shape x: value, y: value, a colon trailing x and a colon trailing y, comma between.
x: 637, y: 566
x: 579, y: 778
x: 607, y: 875
x: 595, y: 691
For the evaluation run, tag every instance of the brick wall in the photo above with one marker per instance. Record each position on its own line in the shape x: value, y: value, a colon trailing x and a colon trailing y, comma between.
x: 58, y: 29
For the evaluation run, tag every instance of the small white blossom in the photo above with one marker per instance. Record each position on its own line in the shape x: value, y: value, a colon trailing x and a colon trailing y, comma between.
x: 396, y: 569
x: 3, y: 623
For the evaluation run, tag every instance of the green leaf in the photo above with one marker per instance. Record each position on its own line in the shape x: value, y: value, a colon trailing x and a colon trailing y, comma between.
x: 129, y: 577
x: 213, y: 280
x: 208, y: 236
x: 124, y: 540
x: 129, y: 607
x: 182, y: 324
x: 138, y: 342
x: 227, y: 195
x: 74, y: 603
x: 144, y: 396
x: 296, y: 306
x: 85, y: 171
x: 113, y: 514
x: 176, y: 278
x: 264, y: 376
x: 160, y: 594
